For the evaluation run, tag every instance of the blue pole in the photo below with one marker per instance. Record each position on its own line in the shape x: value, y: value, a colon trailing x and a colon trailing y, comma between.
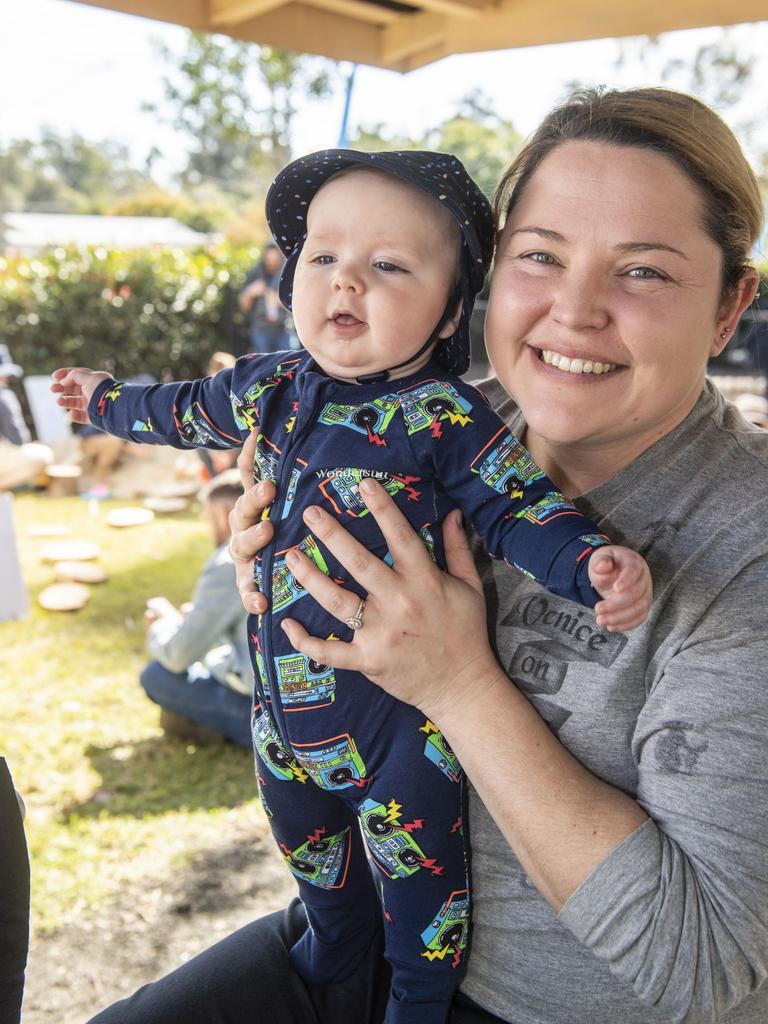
x: 347, y: 100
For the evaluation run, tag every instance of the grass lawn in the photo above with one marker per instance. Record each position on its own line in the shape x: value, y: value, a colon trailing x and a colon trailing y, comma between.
x: 110, y: 801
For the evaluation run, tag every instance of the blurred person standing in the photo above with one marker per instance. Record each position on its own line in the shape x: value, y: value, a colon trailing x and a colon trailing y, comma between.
x: 268, y: 327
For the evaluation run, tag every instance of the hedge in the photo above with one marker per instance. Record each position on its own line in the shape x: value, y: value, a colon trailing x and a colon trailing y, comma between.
x: 161, y: 312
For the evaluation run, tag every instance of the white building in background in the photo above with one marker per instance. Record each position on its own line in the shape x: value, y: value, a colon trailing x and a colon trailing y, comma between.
x: 29, y: 232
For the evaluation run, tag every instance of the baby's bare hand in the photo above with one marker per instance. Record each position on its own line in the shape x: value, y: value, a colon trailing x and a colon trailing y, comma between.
x: 74, y: 387
x: 623, y: 580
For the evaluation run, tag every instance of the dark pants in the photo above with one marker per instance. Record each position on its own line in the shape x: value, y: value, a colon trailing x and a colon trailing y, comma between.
x: 247, y: 978
x: 269, y: 337
x: 196, y: 695
x: 14, y: 901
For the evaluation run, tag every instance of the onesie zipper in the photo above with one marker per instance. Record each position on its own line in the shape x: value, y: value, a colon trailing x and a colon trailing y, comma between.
x: 267, y: 566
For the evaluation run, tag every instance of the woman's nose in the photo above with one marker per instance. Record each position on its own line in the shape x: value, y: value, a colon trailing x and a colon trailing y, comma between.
x: 580, y: 303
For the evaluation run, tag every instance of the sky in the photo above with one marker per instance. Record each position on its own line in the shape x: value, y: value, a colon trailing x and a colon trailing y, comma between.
x: 76, y: 68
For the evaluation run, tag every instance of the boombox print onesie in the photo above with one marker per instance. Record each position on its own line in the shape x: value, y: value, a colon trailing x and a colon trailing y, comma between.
x: 344, y: 768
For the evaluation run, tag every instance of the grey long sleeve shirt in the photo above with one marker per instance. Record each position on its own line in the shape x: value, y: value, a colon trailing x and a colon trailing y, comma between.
x: 214, y: 631
x: 673, y: 925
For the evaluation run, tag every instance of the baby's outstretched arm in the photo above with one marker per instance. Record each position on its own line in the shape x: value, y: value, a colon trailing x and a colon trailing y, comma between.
x: 623, y: 580
x: 73, y: 387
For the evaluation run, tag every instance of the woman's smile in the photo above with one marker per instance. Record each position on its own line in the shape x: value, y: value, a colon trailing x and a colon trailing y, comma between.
x: 578, y: 365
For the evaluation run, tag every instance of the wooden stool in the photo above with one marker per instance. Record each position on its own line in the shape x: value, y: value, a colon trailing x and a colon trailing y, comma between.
x: 63, y: 480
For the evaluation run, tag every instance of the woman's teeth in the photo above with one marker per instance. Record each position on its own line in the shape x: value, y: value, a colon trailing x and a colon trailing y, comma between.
x: 575, y: 365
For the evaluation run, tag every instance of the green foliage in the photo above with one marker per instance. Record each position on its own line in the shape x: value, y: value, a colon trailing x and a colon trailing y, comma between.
x: 484, y: 142
x: 719, y: 72
x: 205, y: 212
x: 159, y: 312
x: 214, y: 89
x: 65, y: 174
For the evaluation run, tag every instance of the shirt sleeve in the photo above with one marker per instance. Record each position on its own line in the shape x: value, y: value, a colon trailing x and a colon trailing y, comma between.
x: 186, y: 414
x: 680, y: 909
x: 516, y: 509
x: 179, y: 641
x: 212, y: 412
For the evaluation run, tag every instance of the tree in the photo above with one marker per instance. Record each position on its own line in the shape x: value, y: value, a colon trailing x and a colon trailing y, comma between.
x: 718, y: 72
x: 66, y: 174
x: 484, y: 142
x: 235, y: 104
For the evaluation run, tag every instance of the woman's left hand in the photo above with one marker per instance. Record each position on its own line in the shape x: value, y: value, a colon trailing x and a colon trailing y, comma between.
x: 424, y: 636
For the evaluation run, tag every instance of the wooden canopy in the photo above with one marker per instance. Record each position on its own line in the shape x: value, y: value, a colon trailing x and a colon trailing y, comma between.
x: 406, y: 34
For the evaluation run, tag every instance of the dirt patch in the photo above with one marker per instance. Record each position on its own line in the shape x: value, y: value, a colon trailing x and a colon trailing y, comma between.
x: 88, y: 964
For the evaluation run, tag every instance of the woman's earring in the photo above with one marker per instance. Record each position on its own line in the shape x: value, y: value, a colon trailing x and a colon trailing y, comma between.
x: 725, y: 332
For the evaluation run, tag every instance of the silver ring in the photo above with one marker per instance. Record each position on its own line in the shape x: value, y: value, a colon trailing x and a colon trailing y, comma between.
x: 233, y: 556
x: 356, y: 622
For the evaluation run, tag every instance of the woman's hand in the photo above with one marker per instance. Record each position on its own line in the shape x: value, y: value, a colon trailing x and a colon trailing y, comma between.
x: 249, y: 532
x: 424, y: 635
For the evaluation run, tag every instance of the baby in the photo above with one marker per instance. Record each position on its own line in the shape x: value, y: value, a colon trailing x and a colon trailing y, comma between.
x: 385, y: 254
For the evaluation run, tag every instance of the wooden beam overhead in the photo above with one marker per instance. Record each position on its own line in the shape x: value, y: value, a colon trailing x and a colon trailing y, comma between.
x: 455, y: 8
x: 372, y: 13
x: 312, y: 30
x: 406, y: 37
x: 225, y: 13
x: 537, y: 22
x: 385, y: 35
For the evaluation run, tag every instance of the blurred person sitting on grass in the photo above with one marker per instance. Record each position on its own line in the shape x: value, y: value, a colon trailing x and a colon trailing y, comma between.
x: 200, y: 673
x: 22, y: 460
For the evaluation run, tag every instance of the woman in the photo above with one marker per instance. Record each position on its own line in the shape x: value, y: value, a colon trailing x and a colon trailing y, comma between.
x: 620, y: 844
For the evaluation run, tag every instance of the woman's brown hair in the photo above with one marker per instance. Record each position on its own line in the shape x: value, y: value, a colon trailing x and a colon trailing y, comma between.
x: 672, y: 123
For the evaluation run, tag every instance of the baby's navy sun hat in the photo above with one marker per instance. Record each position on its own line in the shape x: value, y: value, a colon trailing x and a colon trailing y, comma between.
x: 440, y: 175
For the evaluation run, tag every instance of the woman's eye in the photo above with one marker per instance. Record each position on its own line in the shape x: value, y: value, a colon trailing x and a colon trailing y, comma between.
x: 540, y: 257
x: 386, y: 266
x: 323, y: 261
x: 645, y: 274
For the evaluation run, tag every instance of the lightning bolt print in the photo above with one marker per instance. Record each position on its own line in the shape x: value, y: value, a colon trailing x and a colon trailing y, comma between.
x: 457, y: 418
x: 411, y: 826
x: 393, y: 812
x: 376, y: 439
x: 411, y: 491
x: 437, y: 954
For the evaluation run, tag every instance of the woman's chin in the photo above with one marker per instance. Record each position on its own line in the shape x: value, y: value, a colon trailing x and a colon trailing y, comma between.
x: 560, y: 423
